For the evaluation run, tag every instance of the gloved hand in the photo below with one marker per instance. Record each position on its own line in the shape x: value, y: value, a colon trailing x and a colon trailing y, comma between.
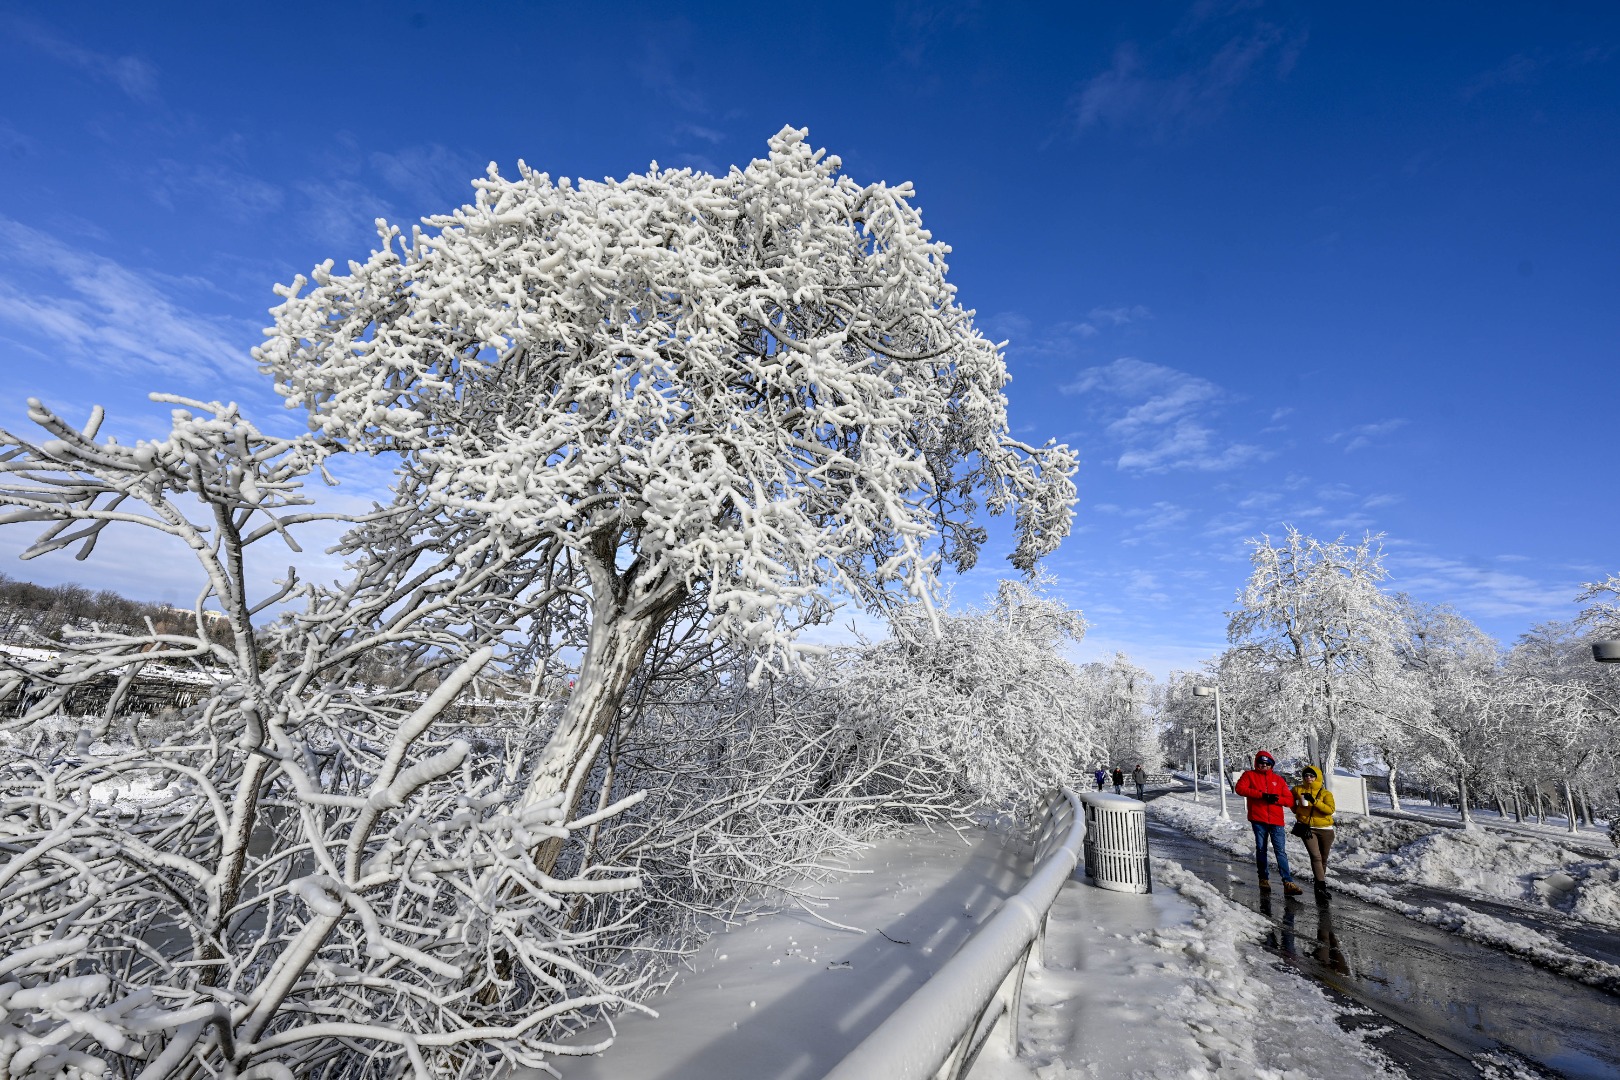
x: 1269, y: 797
x: 1306, y: 800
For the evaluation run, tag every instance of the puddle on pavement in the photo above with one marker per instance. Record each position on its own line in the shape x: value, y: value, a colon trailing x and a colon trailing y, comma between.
x: 1459, y: 998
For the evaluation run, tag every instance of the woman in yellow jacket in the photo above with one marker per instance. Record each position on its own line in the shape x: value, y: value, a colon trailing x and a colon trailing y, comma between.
x: 1313, y: 822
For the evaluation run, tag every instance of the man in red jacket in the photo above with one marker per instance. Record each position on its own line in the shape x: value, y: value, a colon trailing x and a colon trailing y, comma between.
x: 1267, y: 794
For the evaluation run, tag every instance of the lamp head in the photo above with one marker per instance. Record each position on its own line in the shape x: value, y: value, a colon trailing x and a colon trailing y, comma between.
x: 1203, y: 691
x: 1604, y: 652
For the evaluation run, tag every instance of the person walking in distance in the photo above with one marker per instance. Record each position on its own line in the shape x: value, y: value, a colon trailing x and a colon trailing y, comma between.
x: 1267, y: 794
x: 1139, y: 778
x: 1119, y: 780
x: 1313, y: 823
x: 1100, y: 776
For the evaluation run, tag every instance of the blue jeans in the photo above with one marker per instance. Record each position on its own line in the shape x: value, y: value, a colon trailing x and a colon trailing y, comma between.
x: 1279, y: 842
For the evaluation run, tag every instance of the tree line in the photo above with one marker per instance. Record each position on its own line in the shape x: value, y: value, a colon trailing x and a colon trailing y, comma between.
x: 1326, y: 662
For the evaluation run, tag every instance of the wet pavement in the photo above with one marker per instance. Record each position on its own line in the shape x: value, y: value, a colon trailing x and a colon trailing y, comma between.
x: 1451, y: 1002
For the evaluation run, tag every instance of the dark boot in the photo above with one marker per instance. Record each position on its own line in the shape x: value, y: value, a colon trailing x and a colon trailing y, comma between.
x: 1265, y: 884
x: 1321, y: 890
x: 1291, y: 889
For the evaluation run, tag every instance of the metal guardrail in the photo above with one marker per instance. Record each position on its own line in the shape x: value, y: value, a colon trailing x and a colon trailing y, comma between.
x: 938, y: 1032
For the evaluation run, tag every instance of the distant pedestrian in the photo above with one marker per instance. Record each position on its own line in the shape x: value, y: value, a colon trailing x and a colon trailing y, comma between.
x: 1139, y: 778
x: 1267, y: 794
x: 1119, y: 780
x: 1100, y: 776
x: 1313, y: 823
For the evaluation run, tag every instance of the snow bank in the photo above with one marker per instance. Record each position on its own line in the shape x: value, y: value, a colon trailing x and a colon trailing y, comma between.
x: 1498, y: 933
x: 1173, y: 985
x: 1526, y: 870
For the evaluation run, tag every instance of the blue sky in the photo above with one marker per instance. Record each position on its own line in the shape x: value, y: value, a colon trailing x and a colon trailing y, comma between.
x: 1350, y: 267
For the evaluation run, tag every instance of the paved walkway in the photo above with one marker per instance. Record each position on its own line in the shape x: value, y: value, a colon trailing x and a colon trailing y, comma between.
x: 784, y: 997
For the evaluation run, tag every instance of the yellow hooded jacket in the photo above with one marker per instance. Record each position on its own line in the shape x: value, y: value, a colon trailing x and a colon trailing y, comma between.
x: 1319, y: 814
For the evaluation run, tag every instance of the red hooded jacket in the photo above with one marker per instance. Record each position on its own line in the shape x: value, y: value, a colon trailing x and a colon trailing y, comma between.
x: 1254, y: 784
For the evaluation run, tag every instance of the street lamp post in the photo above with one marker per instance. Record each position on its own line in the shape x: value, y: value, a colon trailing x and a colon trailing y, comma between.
x: 1220, y: 744
x: 1195, y: 768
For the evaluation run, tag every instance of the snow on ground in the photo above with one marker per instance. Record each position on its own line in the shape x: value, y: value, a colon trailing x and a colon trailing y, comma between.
x: 785, y: 997
x: 1499, y: 933
x: 1555, y: 828
x: 1172, y: 984
x: 1522, y: 869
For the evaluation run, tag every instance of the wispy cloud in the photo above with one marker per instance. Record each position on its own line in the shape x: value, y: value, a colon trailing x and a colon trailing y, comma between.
x: 1525, y: 69
x: 130, y: 74
x: 1364, y: 435
x: 239, y: 196
x: 1479, y: 589
x: 1118, y: 316
x: 1160, y: 92
x: 1063, y: 339
x: 1150, y: 521
x: 920, y: 23
x: 61, y: 302
x: 433, y: 177
x: 1060, y: 340
x: 698, y: 131
x: 1161, y: 417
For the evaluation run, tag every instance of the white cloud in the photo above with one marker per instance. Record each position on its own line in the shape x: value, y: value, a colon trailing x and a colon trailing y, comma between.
x: 1062, y: 340
x: 132, y: 75
x: 1364, y: 435
x: 1165, y: 423
x: 433, y: 177
x: 1118, y: 316
x: 698, y: 131
x: 239, y: 196
x: 60, y: 302
x: 1479, y: 590
x: 1131, y: 95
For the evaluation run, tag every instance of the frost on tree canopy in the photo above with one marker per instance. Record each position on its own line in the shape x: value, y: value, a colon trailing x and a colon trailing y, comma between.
x: 755, y: 385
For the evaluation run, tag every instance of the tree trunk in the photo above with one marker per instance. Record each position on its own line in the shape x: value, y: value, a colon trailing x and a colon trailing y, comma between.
x: 1541, y: 810
x: 625, y: 620
x: 1518, y: 805
x: 1569, y: 806
x: 1462, y: 801
x: 1501, y: 808
x: 1330, y: 752
x: 1586, y: 807
x: 1394, y: 789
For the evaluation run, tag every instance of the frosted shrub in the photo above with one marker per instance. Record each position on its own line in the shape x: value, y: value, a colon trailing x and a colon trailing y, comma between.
x: 333, y: 885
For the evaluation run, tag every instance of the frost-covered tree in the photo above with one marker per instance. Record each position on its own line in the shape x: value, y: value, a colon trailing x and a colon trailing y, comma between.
x: 757, y: 390
x: 1119, y: 698
x: 1563, y: 717
x: 988, y: 692
x: 1313, y: 626
x: 1445, y: 707
x: 324, y: 880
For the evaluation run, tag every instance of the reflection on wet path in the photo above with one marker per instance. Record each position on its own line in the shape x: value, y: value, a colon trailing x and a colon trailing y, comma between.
x: 1457, y: 996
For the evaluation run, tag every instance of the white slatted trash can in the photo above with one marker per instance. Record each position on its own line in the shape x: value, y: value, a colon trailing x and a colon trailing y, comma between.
x: 1116, y: 843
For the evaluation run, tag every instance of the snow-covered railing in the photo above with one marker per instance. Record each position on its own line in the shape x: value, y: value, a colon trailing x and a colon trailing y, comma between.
x: 937, y: 1032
